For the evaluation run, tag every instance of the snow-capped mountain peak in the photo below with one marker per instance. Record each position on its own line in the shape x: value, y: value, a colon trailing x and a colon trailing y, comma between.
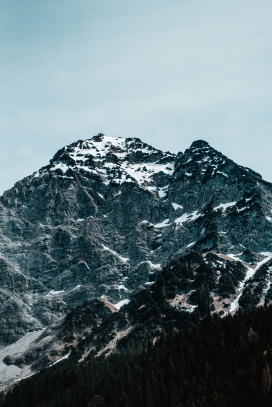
x: 115, y: 160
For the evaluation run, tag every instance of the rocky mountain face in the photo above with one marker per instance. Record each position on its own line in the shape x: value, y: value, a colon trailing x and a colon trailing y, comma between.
x: 115, y: 224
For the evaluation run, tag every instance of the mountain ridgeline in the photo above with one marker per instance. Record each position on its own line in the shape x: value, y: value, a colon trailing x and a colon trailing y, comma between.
x: 116, y: 242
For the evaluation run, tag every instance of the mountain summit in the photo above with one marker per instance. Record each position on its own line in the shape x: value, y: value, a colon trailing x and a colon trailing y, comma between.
x: 112, y: 159
x: 104, y: 220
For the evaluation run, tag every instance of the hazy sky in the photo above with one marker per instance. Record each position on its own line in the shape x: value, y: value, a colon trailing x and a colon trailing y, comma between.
x: 169, y: 72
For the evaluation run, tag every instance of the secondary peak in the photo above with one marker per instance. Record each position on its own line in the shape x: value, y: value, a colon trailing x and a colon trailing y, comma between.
x: 199, y: 144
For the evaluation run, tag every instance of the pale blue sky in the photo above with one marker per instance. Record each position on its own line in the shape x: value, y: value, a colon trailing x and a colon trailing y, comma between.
x: 169, y: 72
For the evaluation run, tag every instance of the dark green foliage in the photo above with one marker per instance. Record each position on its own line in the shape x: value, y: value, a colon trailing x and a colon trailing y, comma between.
x: 248, y: 299
x: 257, y: 286
x: 184, y: 274
x: 223, y: 363
x: 231, y: 274
x: 226, y: 285
x: 201, y: 297
x: 262, y: 272
x: 268, y: 297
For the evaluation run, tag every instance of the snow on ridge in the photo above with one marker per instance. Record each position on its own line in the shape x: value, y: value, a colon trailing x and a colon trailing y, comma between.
x: 152, y: 265
x: 224, y: 206
x: 124, y: 259
x: 187, y: 217
x: 220, y: 172
x: 191, y: 244
x: 61, y: 359
x: 243, y: 209
x: 121, y: 303
x: 100, y: 146
x: 250, y: 273
x: 176, y: 206
x: 162, y: 224
x: 162, y: 192
x: 76, y: 287
x: 183, y: 218
x: 150, y: 283
x: 94, y: 156
x: 267, y: 258
x: 53, y: 292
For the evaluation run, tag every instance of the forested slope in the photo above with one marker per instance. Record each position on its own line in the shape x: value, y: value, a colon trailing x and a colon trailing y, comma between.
x: 223, y: 362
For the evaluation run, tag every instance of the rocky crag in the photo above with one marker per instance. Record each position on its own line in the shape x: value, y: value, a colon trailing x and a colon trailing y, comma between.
x: 110, y: 218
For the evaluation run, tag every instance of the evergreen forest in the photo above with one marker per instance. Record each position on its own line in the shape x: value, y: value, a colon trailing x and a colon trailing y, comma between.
x: 222, y: 362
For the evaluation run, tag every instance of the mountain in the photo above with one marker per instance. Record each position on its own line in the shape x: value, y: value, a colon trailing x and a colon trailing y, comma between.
x: 115, y: 239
